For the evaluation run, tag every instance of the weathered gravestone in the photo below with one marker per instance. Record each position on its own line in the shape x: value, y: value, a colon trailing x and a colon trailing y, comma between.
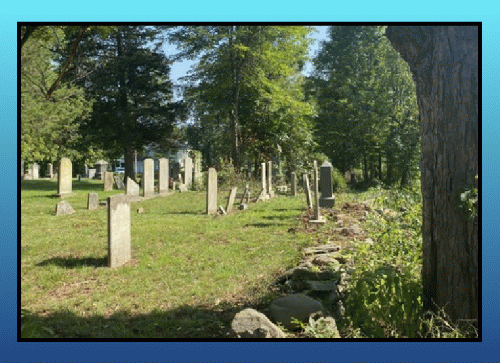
x: 119, y: 182
x: 263, y: 192
x: 64, y: 177
x: 64, y: 207
x: 212, y: 191
x: 132, y: 188
x: 327, y: 199
x: 92, y: 201
x: 148, y: 179
x: 163, y: 177
x: 246, y: 194
x: 101, y: 167
x: 317, y: 214
x: 230, y: 201
x: 307, y: 191
x: 188, y: 172
x: 119, y: 250
x: 197, y: 176
x: 108, y: 181
x: 270, y: 190
x: 294, y: 184
x: 34, y: 171
x: 49, y: 173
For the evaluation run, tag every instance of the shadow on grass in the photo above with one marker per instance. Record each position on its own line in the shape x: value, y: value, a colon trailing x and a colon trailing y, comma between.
x: 50, y: 185
x: 187, y: 322
x: 263, y: 225
x: 75, y: 262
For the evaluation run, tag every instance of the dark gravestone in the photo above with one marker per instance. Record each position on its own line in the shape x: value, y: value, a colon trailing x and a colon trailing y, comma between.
x: 327, y: 199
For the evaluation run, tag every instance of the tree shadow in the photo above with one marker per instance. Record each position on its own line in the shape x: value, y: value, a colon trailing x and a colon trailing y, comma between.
x: 264, y: 225
x: 75, y: 262
x: 50, y: 185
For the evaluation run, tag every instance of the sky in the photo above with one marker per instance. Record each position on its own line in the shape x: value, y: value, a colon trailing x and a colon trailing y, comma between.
x: 180, y: 69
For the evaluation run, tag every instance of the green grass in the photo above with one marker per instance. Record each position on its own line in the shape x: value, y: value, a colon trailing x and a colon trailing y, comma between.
x: 189, y: 273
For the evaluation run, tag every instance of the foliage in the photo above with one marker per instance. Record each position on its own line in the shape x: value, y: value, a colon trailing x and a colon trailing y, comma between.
x: 367, y: 106
x: 245, y: 93
x: 49, y: 127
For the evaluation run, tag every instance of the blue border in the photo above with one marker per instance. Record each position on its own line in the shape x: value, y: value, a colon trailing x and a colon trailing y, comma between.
x: 313, y: 11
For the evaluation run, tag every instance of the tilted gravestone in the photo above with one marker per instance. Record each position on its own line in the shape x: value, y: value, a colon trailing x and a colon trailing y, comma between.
x: 188, y: 172
x: 163, y: 177
x: 307, y: 191
x: 327, y: 199
x: 148, y: 178
x: 64, y: 207
x: 294, y: 184
x: 132, y: 188
x: 119, y: 249
x: 119, y: 182
x: 92, y: 201
x: 108, y: 181
x: 212, y: 191
x: 230, y: 201
x: 64, y: 177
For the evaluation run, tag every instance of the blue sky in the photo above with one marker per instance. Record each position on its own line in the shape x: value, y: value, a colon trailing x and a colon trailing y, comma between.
x: 180, y: 69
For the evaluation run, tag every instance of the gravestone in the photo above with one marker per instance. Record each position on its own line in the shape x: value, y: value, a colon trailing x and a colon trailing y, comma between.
x: 34, y: 171
x: 230, y: 201
x: 64, y: 180
x: 132, y: 188
x: 92, y: 201
x: 108, y: 181
x: 50, y: 171
x: 188, y: 172
x: 91, y: 173
x: 307, y: 191
x: 317, y: 218
x: 101, y: 167
x: 163, y: 178
x: 212, y: 191
x: 119, y: 182
x: 245, y: 194
x: 148, y: 179
x: 294, y: 184
x: 327, y: 199
x: 64, y: 207
x: 119, y: 250
x: 197, y: 176
x: 270, y: 190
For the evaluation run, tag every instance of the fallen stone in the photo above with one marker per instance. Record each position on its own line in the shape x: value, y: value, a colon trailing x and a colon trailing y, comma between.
x: 322, y: 249
x: 250, y: 323
x: 325, y: 259
x: 63, y: 208
x: 297, y: 306
x: 329, y: 285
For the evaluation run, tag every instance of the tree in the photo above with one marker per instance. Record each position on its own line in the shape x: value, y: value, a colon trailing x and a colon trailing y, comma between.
x: 127, y: 75
x: 49, y: 125
x: 245, y: 92
x: 444, y: 63
x: 366, y: 103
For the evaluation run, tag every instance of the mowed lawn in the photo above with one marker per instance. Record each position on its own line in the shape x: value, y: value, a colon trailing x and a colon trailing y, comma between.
x: 189, y: 274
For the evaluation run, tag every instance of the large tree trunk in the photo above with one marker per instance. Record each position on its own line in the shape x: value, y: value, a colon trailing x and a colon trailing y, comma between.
x: 444, y: 63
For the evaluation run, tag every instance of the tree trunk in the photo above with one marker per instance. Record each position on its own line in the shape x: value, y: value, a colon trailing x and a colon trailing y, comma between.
x: 129, y: 155
x: 444, y: 63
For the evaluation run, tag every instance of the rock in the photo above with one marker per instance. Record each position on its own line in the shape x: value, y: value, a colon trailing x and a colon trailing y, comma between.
x: 250, y: 323
x: 304, y: 273
x: 389, y: 213
x: 351, y: 231
x: 325, y: 259
x: 140, y: 210
x: 369, y: 241
x: 183, y: 188
x: 325, y: 327
x: 243, y: 206
x: 329, y: 285
x: 298, y: 306
x: 322, y: 249
x: 63, y: 208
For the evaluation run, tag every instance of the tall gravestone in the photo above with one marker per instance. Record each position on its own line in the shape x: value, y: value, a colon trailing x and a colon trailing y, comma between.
x: 131, y: 188
x: 263, y: 193
x: 307, y: 191
x: 317, y: 213
x: 50, y: 171
x: 108, y: 181
x: 294, y: 184
x: 64, y: 177
x: 327, y: 199
x: 270, y: 190
x: 119, y: 249
x: 230, y: 200
x: 212, y: 191
x: 163, y: 178
x: 92, y: 201
x: 34, y: 171
x: 197, y: 176
x: 188, y: 172
x: 148, y: 178
x: 101, y: 167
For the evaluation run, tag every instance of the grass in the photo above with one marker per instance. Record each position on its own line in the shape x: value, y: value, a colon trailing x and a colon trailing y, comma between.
x: 189, y: 273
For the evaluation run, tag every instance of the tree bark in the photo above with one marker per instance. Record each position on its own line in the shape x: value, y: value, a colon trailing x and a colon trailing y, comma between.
x: 444, y: 63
